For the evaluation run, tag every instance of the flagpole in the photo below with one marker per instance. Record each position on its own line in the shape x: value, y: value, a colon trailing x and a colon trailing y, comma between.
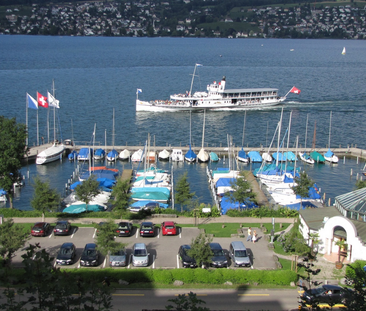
x: 289, y: 91
x: 26, y: 118
x: 37, y: 130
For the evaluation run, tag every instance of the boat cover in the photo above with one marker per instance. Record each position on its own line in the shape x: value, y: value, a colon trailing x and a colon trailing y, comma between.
x: 143, y: 203
x: 190, y: 154
x: 329, y: 153
x: 214, y: 157
x: 281, y: 156
x: 80, y: 208
x: 72, y: 155
x: 2, y: 191
x: 99, y: 152
x: 113, y: 154
x: 100, y: 174
x: 84, y: 153
x: 242, y: 154
x: 226, y: 204
x: 225, y: 182
x: 255, y: 156
x: 317, y: 157
x: 290, y: 156
x: 165, y: 191
x: 103, y: 183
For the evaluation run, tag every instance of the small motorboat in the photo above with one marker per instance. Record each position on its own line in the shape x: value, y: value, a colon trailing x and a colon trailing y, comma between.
x: 124, y: 155
x: 164, y: 155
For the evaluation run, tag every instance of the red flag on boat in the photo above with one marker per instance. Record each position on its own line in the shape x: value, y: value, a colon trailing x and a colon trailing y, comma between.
x: 295, y: 90
x: 42, y: 100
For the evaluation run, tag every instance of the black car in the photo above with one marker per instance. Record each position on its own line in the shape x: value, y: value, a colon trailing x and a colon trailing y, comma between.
x: 187, y: 261
x: 62, y: 228
x: 330, y: 294
x: 90, y: 255
x: 147, y: 229
x: 218, y: 259
x: 124, y: 229
x: 67, y: 254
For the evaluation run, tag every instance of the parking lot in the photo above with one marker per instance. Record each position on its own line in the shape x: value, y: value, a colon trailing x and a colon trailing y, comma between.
x: 163, y: 250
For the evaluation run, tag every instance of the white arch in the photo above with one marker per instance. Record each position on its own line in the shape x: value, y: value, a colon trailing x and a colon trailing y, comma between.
x: 340, y: 221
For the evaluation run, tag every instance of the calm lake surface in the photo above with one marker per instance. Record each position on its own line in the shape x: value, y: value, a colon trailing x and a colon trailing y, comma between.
x: 93, y: 75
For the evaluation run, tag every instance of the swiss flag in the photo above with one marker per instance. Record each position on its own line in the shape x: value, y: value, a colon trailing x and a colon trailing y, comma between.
x: 42, y: 100
x: 295, y: 90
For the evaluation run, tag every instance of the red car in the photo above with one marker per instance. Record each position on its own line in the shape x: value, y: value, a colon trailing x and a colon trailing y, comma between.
x: 168, y: 228
x: 40, y: 229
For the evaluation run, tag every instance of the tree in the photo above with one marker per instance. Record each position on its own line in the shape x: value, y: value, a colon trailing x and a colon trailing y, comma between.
x: 356, y: 276
x: 241, y: 190
x: 314, y: 238
x: 200, y: 249
x: 87, y: 190
x: 12, y: 150
x: 12, y: 238
x: 44, y: 198
x: 183, y: 194
x: 187, y: 302
x: 121, y: 195
x: 342, y: 245
x: 360, y: 184
x: 303, y: 184
x: 105, y: 238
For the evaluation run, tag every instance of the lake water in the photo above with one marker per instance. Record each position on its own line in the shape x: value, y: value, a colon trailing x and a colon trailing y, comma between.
x: 93, y: 75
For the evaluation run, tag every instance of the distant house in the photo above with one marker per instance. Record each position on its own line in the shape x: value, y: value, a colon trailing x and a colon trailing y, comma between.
x: 346, y: 220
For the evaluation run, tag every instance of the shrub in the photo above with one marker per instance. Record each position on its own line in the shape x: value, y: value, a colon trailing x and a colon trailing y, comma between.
x: 184, y: 275
x: 163, y: 276
x: 202, y: 276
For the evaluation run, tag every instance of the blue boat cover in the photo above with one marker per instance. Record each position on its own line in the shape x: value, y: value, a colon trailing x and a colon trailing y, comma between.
x: 2, y: 191
x: 290, y: 156
x: 100, y: 152
x: 214, y: 157
x: 281, y: 156
x: 103, y: 183
x: 255, y: 156
x: 300, y: 205
x: 100, y: 174
x: 84, y: 153
x: 163, y: 190
x: 222, y: 169
x: 225, y: 182
x: 72, y: 155
x: 190, y: 154
x: 226, y: 204
x: 113, y: 154
x: 242, y: 154
x: 329, y: 153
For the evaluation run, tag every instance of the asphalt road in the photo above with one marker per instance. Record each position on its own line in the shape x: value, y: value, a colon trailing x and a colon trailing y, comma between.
x: 162, y: 249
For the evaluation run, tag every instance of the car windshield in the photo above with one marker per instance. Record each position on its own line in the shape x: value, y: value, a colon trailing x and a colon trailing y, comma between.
x: 123, y: 227
x: 146, y: 227
x: 65, y: 251
x: 119, y: 253
x: 38, y: 228
x: 241, y: 253
x: 169, y: 227
x: 90, y: 252
x: 140, y: 252
x: 218, y: 252
x: 61, y: 226
x: 319, y: 290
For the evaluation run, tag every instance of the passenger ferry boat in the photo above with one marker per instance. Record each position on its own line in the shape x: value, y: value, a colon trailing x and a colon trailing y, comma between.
x: 217, y: 97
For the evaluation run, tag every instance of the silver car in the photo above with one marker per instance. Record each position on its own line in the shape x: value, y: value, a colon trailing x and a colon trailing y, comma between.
x: 140, y: 256
x: 118, y: 259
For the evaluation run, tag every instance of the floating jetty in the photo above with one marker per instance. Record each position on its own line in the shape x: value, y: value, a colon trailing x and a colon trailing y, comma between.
x: 220, y: 151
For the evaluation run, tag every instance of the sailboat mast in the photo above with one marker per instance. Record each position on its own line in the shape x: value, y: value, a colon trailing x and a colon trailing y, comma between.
x: 113, y: 130
x: 314, y: 137
x: 194, y: 73
x: 203, y: 133
x: 54, y: 112
x: 190, y: 128
x: 330, y: 126
x: 306, y: 129
x: 279, y: 137
x: 245, y: 117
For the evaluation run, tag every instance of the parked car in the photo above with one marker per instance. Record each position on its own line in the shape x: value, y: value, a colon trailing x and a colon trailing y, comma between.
x: 40, y: 229
x: 147, y: 229
x: 90, y: 255
x: 124, y: 229
x: 66, y: 254
x: 187, y: 261
x: 118, y: 259
x: 218, y: 259
x: 62, y: 227
x: 239, y: 254
x: 168, y: 228
x: 140, y: 256
x: 326, y: 294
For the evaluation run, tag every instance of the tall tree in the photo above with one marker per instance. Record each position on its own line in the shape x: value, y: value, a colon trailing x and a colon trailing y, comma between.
x: 105, y: 239
x: 121, y: 194
x: 44, y: 198
x: 12, y: 238
x: 12, y: 150
x: 303, y: 184
x: 200, y: 249
x: 242, y: 190
x: 183, y: 194
x: 87, y: 190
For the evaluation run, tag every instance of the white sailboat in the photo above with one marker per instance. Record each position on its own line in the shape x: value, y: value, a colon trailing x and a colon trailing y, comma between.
x: 190, y: 156
x: 344, y: 51
x: 54, y: 152
x: 203, y: 155
x: 303, y: 155
x: 329, y: 155
x: 242, y: 155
